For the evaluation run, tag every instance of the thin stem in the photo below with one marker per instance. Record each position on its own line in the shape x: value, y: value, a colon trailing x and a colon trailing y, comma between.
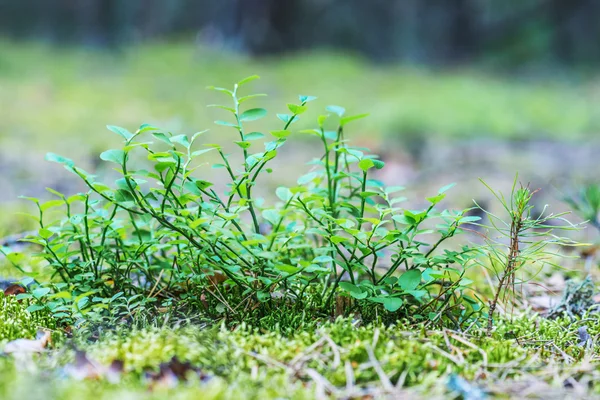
x: 245, y: 151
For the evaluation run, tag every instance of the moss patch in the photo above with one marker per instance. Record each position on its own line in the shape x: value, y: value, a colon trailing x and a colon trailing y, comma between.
x: 340, y: 359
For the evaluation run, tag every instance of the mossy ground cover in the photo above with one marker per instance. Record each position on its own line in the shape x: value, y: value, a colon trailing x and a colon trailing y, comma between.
x: 527, y: 356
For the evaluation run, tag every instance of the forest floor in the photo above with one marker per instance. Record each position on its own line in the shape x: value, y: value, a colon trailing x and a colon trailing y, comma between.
x: 433, y: 127
x: 528, y: 356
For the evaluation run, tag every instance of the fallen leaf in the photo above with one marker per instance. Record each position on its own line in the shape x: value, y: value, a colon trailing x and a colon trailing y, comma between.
x: 217, y: 278
x: 14, y: 290
x: 68, y: 330
x: 23, y: 346
x: 588, y: 251
x: 86, y: 368
x: 171, y: 373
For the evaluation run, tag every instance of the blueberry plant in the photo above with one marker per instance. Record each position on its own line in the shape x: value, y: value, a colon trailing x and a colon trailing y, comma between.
x: 162, y: 232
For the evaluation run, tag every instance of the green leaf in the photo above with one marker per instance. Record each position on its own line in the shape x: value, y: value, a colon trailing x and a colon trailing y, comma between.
x: 311, y: 131
x: 284, y: 117
x: 195, y: 135
x: 296, y: 109
x: 417, y: 294
x: 288, y: 269
x: 182, y: 140
x: 253, y: 136
x: 253, y: 114
x: 59, y: 159
x: 16, y: 258
x: 146, y: 128
x: 378, y: 164
x: 410, y: 280
x: 263, y: 296
x: 45, y: 233
x: 51, y: 204
x: 338, y: 239
x: 230, y: 109
x: 162, y: 137
x: 431, y: 274
x: 436, y: 199
x: 345, y: 120
x: 306, y: 99
x: 336, y: 110
x: 321, y: 120
x: 367, y: 194
x: 322, y: 259
x: 225, y: 123
x: 243, y: 145
x: 402, y: 219
x: 124, y: 133
x: 199, y: 152
x: 469, y: 218
x: 22, y: 296
x: 60, y: 295
x: 251, y: 96
x: 304, y: 179
x: 116, y: 156
x: 283, y: 193
x: 202, y: 185
x: 271, y: 215
x: 56, y: 193
x: 445, y: 188
x: 34, y: 307
x: 220, y: 89
x: 248, y: 79
x: 40, y: 292
x: 196, y: 223
x: 389, y: 303
x: 354, y: 290
x: 366, y: 164
x: 281, y: 134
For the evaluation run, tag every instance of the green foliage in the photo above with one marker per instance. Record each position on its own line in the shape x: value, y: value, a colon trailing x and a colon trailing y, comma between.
x: 161, y: 233
x: 355, y: 360
x: 17, y: 322
x: 586, y: 203
x: 522, y: 239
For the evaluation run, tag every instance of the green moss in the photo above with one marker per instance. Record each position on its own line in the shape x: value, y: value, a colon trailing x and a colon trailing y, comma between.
x: 422, y: 353
x: 16, y: 322
x: 16, y: 385
x: 248, y: 363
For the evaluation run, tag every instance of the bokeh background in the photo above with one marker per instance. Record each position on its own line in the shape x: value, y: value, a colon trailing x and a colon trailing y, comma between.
x: 456, y: 89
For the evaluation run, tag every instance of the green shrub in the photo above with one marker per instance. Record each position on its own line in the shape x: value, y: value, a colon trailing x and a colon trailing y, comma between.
x: 161, y: 233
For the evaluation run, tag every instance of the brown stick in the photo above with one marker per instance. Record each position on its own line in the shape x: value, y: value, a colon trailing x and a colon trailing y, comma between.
x: 509, y: 271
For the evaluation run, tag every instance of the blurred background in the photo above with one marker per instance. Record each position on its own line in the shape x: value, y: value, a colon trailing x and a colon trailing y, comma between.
x: 456, y: 89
